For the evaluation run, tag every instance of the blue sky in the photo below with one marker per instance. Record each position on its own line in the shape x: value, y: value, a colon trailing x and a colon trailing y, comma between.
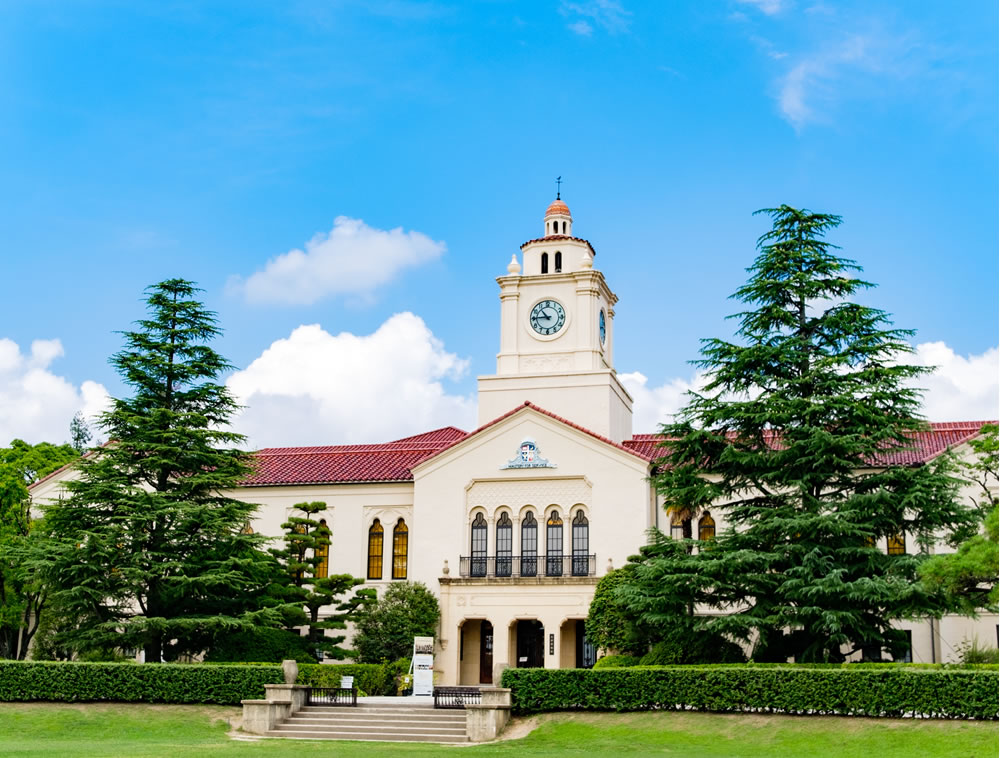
x: 142, y: 141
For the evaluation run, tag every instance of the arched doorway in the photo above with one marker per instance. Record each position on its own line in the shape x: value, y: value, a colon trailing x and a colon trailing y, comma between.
x: 486, y: 653
x: 530, y: 644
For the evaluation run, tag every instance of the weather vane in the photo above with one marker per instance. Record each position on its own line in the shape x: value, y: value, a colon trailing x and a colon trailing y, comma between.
x: 558, y: 183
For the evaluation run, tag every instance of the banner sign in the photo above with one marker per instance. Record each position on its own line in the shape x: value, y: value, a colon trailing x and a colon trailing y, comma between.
x: 422, y: 665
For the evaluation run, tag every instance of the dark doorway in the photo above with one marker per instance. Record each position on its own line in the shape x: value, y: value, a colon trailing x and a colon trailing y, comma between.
x: 530, y: 644
x: 486, y: 653
x: 586, y: 654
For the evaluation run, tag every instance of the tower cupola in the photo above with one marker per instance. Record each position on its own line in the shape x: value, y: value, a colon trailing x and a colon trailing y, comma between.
x: 558, y: 220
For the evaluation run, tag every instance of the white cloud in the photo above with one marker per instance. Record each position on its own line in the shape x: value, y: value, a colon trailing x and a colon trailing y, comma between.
x: 653, y: 406
x: 961, y: 388
x: 768, y: 7
x: 315, y: 388
x: 37, y: 405
x: 610, y: 15
x: 353, y: 258
x: 858, y: 66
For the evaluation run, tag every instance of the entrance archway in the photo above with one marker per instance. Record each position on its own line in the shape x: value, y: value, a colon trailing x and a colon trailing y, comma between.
x: 530, y: 644
x: 486, y: 653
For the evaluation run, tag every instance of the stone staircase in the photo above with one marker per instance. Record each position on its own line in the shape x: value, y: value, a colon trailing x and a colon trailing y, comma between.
x: 406, y: 721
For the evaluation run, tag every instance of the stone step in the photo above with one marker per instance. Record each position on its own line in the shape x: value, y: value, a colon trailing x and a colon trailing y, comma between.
x: 383, y: 715
x: 367, y: 724
x: 373, y: 730
x: 359, y: 719
x: 367, y: 737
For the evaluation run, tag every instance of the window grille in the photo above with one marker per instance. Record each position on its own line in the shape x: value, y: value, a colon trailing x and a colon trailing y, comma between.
x: 581, y: 544
x: 505, y: 545
x: 554, y: 545
x: 529, y: 545
x: 479, y: 538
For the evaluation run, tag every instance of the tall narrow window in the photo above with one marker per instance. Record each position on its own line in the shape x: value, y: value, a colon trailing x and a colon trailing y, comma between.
x: 375, y: 550
x: 322, y: 551
x: 895, y: 544
x: 400, y: 548
x: 545, y: 263
x: 706, y: 527
x: 558, y: 262
x: 505, y: 545
x: 581, y: 545
x: 529, y: 545
x: 554, y: 545
x: 478, y: 546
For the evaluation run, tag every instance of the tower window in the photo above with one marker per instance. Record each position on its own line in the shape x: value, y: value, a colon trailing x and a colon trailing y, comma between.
x: 529, y: 545
x: 545, y: 263
x: 558, y: 262
x: 564, y: 227
x: 553, y: 545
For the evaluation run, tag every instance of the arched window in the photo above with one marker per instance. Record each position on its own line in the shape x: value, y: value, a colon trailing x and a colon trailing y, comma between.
x: 895, y: 544
x: 505, y: 545
x: 564, y: 227
x: 545, y: 263
x: 706, y: 527
x: 322, y: 550
x: 554, y: 545
x: 680, y: 525
x: 375, y: 550
x: 581, y: 545
x: 529, y: 545
x: 478, y: 546
x: 400, y: 546
x: 558, y: 261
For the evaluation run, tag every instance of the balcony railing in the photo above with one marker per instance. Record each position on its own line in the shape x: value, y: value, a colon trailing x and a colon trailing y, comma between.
x: 516, y: 566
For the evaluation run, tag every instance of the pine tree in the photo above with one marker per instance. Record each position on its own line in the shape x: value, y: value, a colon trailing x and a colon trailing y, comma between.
x: 787, y: 438
x: 145, y: 551
x: 79, y: 432
x: 306, y: 587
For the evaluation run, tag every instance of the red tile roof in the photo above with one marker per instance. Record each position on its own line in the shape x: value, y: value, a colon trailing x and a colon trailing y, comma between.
x: 558, y: 238
x: 926, y: 445
x: 346, y: 464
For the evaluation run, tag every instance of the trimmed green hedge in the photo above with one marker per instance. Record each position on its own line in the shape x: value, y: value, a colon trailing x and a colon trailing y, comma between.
x: 884, y: 691
x: 371, y: 678
x: 135, y: 683
x: 616, y: 661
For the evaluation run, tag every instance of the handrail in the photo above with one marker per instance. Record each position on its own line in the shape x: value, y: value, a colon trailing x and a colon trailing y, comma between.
x: 518, y: 566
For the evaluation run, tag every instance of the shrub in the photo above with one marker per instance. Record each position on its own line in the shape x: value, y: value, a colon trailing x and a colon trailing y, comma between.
x: 616, y: 661
x: 885, y: 691
x: 134, y: 683
x: 373, y: 678
x: 386, y: 629
x: 971, y: 652
x: 610, y: 626
x: 263, y: 644
x: 699, y: 647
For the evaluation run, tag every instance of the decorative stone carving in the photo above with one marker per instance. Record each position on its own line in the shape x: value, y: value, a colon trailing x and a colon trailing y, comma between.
x: 444, y: 569
x: 565, y: 492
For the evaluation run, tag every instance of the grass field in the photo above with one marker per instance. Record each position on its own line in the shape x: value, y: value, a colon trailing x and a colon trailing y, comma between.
x: 58, y: 730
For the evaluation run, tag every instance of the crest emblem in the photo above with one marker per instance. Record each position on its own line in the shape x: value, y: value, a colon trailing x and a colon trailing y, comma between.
x: 528, y: 456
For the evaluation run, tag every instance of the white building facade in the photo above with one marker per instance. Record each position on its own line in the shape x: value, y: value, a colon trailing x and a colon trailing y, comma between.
x: 513, y: 524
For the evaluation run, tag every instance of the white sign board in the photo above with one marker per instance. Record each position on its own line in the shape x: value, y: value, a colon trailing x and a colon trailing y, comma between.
x: 423, y: 665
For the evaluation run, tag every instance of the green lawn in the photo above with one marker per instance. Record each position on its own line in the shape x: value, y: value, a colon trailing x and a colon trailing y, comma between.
x: 58, y: 730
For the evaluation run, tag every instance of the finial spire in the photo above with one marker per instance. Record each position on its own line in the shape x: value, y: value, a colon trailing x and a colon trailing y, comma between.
x: 558, y: 188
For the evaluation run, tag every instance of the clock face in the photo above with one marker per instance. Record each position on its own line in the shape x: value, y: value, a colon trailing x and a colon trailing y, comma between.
x: 602, y: 326
x: 547, y: 317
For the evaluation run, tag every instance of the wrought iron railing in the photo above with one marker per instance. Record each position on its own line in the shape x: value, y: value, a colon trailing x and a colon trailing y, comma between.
x: 515, y: 566
x: 342, y: 696
x: 456, y: 697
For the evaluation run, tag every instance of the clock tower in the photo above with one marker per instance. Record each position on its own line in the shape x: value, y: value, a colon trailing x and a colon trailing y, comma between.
x: 557, y: 335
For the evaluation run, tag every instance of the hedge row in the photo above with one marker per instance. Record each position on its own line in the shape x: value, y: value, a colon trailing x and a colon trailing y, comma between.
x: 871, y: 692
x: 370, y: 678
x: 135, y: 683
